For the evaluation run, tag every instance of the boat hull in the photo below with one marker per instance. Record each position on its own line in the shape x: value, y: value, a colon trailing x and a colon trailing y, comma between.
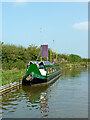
x: 36, y: 80
x: 40, y: 73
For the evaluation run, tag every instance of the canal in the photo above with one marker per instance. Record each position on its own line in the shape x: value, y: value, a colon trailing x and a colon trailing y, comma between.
x: 67, y: 97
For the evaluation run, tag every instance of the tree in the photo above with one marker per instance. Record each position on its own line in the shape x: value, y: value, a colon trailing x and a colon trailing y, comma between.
x: 74, y: 58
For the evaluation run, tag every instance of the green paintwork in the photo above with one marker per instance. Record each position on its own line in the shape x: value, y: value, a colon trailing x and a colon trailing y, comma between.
x: 54, y: 73
x: 36, y: 73
x: 33, y: 68
x: 39, y: 76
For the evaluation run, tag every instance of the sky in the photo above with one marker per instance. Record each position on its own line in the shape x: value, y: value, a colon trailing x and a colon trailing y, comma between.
x: 64, y: 22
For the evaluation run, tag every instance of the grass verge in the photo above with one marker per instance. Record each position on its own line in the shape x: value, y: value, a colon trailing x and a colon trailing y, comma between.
x: 11, y: 76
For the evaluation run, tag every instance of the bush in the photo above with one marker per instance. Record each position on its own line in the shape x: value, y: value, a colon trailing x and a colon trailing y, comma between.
x: 18, y: 56
x: 74, y: 58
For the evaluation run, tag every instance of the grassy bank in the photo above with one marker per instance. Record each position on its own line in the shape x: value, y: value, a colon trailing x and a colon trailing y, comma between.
x: 73, y: 65
x: 15, y: 59
x: 10, y: 76
x: 18, y: 56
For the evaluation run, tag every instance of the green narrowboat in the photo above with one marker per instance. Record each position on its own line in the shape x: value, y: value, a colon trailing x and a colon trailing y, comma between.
x: 38, y: 72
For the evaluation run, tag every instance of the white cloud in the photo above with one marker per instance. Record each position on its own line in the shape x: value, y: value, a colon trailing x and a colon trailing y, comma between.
x: 81, y: 26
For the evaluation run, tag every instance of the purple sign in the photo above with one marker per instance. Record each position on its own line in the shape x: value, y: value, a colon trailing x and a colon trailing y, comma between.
x: 44, y: 50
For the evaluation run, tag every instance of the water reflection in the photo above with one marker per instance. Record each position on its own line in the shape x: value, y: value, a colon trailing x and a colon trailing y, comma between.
x: 44, y: 104
x: 32, y: 97
x: 37, y: 95
x: 66, y: 97
x: 75, y: 72
x: 10, y: 100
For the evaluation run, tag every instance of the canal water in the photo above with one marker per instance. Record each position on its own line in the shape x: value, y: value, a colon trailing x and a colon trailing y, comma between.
x: 67, y: 97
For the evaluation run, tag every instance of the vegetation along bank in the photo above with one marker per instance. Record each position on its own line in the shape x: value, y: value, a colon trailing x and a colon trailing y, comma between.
x: 15, y: 59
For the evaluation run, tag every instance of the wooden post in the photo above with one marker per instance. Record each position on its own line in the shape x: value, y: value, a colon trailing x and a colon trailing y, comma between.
x: 50, y: 56
x: 56, y: 56
x: 41, y: 58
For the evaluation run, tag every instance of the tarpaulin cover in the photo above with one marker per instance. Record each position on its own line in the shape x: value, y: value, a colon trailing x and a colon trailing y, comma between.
x: 44, y: 50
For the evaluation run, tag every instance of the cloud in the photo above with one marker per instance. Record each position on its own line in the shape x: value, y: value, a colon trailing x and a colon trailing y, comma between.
x: 81, y: 25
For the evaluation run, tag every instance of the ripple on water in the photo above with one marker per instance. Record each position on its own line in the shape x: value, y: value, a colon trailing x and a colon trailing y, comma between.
x: 11, y: 111
x: 5, y: 108
x: 34, y: 105
x: 13, y: 103
x: 12, y: 99
x: 9, y: 106
x: 37, y: 101
x: 14, y: 108
x: 61, y: 99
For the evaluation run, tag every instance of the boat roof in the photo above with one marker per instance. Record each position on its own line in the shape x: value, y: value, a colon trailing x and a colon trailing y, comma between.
x: 38, y: 62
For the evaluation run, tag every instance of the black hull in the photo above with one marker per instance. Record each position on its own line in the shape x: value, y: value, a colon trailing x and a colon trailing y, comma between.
x: 40, y: 81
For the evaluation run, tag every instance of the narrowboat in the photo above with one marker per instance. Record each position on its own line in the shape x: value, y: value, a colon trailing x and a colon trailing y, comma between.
x: 38, y: 72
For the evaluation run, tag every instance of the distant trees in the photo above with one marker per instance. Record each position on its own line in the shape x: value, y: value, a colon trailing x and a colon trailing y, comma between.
x: 74, y: 58
x: 69, y: 58
x: 18, y: 56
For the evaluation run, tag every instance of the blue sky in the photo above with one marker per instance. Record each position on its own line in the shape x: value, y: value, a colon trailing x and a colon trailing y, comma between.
x: 63, y: 22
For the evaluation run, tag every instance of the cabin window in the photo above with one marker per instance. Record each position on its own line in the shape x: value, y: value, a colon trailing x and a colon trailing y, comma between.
x: 41, y: 67
x: 48, y: 71
x: 53, y: 70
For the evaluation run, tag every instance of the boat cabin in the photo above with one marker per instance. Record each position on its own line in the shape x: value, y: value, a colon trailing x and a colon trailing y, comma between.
x: 45, y: 67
